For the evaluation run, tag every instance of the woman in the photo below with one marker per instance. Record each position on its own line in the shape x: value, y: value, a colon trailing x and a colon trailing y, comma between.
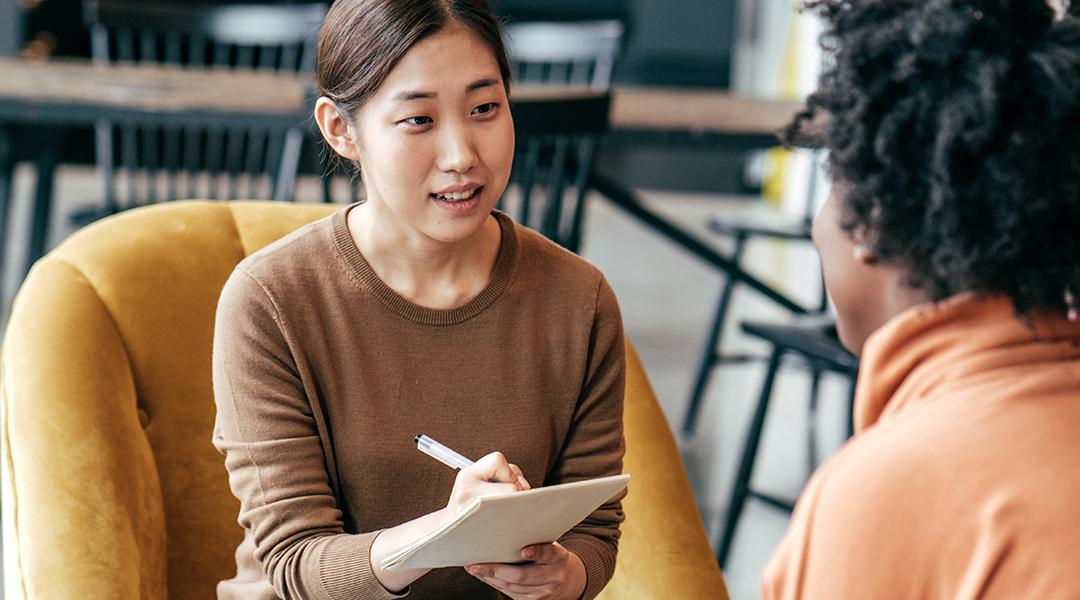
x: 419, y: 310
x: 950, y: 246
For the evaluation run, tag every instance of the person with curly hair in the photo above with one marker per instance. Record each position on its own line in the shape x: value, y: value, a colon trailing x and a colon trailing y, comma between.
x: 950, y: 246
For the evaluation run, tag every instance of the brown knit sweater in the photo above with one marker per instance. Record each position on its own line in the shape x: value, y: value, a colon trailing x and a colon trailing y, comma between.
x: 323, y: 375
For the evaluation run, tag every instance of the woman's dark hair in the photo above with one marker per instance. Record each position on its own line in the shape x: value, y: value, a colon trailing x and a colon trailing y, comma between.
x: 957, y: 123
x: 362, y: 40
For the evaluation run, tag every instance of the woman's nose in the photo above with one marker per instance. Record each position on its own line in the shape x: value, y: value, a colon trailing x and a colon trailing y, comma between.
x: 457, y: 149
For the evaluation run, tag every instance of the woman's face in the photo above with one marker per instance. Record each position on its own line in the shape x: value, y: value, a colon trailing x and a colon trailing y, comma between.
x: 436, y: 141
x: 855, y: 285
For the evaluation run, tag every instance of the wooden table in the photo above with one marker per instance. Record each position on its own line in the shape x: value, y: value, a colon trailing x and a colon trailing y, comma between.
x: 687, y: 117
x: 687, y: 114
x: 693, y: 117
x: 59, y: 93
x: 76, y: 92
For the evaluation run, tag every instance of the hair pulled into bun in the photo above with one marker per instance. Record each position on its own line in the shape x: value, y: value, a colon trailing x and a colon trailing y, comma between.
x: 957, y: 122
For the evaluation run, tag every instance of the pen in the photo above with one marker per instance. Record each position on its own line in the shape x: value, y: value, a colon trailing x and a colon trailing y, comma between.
x: 441, y: 453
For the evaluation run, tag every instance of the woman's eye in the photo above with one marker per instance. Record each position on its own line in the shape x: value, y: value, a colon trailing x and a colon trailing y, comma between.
x: 419, y: 120
x: 484, y: 109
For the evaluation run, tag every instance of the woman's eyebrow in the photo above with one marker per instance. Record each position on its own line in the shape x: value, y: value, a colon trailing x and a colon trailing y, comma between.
x: 406, y: 96
x: 483, y: 83
x: 419, y: 95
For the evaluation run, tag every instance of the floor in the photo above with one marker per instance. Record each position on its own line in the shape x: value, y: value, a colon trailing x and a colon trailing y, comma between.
x: 667, y: 296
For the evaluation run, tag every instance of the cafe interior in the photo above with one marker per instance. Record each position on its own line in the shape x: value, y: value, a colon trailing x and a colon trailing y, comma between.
x: 645, y: 143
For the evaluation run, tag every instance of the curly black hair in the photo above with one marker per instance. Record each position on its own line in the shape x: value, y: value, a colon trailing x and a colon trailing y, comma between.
x: 957, y: 122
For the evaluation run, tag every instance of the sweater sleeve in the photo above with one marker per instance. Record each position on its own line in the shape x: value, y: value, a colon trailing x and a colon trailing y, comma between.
x: 594, y: 446
x: 268, y: 432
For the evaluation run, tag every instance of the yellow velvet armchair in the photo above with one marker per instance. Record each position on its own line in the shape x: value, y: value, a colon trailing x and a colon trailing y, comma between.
x: 111, y: 486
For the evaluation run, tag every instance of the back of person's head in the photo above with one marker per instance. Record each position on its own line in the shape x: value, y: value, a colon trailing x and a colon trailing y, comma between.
x: 957, y: 124
x: 362, y: 40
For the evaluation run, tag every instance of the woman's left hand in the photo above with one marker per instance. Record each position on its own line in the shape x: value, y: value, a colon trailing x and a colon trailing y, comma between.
x: 553, y: 573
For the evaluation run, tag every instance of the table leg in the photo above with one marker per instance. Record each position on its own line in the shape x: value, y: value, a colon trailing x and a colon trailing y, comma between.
x: 626, y: 199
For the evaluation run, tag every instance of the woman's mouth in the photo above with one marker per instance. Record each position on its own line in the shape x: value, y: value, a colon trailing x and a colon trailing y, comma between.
x: 459, y: 202
x: 456, y: 196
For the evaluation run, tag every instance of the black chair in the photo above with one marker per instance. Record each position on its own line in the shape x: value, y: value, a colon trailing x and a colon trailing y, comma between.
x: 7, y: 170
x: 579, y: 53
x: 556, y: 148
x: 556, y: 143
x: 741, y: 230
x: 40, y: 145
x: 144, y: 159
x: 810, y: 342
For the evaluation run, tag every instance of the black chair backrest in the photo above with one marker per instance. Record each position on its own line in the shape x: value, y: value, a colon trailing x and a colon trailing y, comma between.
x: 143, y: 160
x: 556, y: 143
x: 266, y: 36
x: 566, y: 53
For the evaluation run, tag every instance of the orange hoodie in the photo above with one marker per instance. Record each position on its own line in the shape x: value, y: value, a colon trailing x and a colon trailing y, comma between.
x: 963, y: 478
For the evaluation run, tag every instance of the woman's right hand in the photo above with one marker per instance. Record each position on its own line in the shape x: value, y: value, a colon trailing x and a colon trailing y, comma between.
x: 472, y: 482
x: 490, y: 475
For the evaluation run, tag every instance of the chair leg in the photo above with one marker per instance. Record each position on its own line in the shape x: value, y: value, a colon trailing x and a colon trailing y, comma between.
x: 585, y: 152
x: 103, y: 148
x: 285, y: 185
x: 47, y: 161
x: 741, y: 488
x: 811, y: 420
x: 709, y: 352
x: 851, y: 406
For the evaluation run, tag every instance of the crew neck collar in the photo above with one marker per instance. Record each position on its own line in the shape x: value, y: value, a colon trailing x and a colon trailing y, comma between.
x: 500, y: 276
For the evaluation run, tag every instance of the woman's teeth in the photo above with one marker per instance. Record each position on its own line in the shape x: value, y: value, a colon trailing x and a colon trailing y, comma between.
x: 454, y: 196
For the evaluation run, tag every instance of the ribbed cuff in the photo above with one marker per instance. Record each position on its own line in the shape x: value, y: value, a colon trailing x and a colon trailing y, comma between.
x: 346, y: 573
x: 597, y: 570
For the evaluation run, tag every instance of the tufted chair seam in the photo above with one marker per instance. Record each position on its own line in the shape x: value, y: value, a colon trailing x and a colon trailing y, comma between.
x: 112, y: 319
x: 236, y: 229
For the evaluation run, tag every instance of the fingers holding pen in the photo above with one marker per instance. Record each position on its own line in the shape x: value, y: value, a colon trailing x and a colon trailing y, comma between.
x: 519, y: 478
x: 490, y: 475
x: 496, y: 469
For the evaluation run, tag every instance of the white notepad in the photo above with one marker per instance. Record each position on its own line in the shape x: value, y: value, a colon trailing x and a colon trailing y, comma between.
x: 494, y: 529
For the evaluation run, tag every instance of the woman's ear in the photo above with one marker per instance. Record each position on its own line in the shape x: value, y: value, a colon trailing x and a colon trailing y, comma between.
x: 335, y: 129
x: 862, y: 251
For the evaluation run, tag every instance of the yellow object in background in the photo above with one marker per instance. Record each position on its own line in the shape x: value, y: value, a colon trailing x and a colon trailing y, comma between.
x: 776, y: 164
x: 798, y: 69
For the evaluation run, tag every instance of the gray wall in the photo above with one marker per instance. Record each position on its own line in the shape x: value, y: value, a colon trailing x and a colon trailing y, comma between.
x: 680, y: 42
x: 11, y: 35
x: 669, y: 42
x: 675, y: 42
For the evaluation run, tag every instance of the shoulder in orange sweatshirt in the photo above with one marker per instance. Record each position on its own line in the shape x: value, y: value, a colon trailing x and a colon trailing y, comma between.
x: 963, y: 479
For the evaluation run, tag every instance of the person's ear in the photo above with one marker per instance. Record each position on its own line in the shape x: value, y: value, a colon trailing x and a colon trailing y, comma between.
x: 335, y: 129
x: 863, y: 252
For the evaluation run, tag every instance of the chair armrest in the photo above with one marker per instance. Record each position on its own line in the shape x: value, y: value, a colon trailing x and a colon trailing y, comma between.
x: 664, y: 551
x: 82, y: 505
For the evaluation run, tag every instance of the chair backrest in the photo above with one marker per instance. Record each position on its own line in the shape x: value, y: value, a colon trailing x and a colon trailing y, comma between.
x: 556, y: 138
x: 263, y: 36
x: 142, y: 160
x: 112, y: 488
x: 575, y: 53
